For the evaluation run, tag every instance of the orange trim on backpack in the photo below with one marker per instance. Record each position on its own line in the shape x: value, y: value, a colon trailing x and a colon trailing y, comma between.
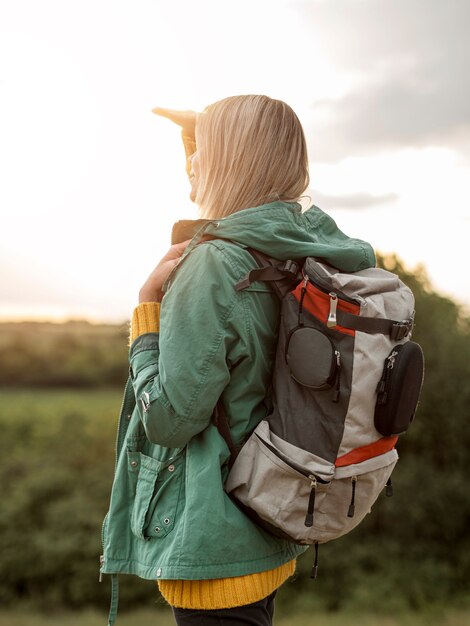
x: 317, y: 303
x: 367, y: 452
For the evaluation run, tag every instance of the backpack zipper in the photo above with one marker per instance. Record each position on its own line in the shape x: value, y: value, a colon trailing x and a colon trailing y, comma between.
x: 323, y: 285
x: 384, y: 382
x: 291, y: 464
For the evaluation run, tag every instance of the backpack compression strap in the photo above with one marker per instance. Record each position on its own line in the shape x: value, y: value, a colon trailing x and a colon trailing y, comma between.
x: 283, y: 276
x: 396, y: 330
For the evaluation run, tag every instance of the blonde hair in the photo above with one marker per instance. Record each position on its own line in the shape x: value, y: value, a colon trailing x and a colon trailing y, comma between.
x: 251, y: 151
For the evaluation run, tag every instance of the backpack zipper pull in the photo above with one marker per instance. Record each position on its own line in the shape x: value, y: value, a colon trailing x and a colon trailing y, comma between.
x: 311, y: 502
x: 331, y: 323
x: 352, y: 506
x: 383, y: 384
x: 313, y: 573
x: 303, y: 291
x: 338, y: 375
x: 391, y: 360
x: 389, y: 488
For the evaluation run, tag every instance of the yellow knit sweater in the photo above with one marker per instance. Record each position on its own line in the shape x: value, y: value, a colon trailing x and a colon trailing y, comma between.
x: 219, y: 593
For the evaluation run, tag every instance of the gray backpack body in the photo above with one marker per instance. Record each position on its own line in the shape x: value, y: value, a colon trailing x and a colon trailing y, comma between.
x: 346, y: 383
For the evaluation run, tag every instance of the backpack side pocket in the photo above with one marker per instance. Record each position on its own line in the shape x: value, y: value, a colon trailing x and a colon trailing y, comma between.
x: 399, y: 388
x: 312, y: 358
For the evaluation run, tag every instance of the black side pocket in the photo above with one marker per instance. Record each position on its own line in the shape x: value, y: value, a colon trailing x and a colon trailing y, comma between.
x: 312, y: 358
x: 399, y: 389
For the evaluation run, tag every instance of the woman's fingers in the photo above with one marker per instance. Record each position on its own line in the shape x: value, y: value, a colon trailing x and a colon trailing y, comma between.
x: 151, y: 290
x: 185, y: 119
x: 179, y: 248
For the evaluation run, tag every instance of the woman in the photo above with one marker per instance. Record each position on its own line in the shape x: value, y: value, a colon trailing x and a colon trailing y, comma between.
x: 196, y: 339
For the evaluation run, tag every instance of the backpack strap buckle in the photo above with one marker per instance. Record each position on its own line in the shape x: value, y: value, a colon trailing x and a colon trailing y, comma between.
x: 400, y: 330
x: 290, y: 267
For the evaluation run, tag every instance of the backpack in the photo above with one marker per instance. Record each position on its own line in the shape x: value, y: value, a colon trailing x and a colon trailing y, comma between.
x: 346, y: 384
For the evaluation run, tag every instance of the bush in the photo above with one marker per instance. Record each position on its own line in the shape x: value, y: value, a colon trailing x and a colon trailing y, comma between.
x: 55, y: 480
x: 74, y: 354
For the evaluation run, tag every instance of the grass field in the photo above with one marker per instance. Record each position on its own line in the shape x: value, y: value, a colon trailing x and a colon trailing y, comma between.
x: 97, y: 405
x: 74, y: 431
x: 163, y: 618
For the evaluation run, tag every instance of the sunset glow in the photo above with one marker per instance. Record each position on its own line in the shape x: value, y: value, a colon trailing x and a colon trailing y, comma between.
x: 92, y: 181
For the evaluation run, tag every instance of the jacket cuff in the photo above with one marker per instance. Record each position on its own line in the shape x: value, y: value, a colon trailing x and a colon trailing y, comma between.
x: 145, y: 319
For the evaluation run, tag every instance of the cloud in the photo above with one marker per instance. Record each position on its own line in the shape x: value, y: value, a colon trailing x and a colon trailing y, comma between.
x: 407, y: 61
x: 359, y: 200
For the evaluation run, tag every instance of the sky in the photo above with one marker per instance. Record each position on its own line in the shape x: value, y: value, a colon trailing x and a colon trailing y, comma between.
x: 91, y: 181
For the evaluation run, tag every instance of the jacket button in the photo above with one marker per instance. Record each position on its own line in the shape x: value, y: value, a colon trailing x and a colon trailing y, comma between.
x: 166, y: 521
x: 171, y: 468
x: 157, y: 529
x: 159, y: 571
x: 134, y: 464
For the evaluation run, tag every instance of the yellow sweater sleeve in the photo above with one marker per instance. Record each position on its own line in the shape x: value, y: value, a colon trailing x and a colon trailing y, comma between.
x: 219, y: 593
x: 145, y: 319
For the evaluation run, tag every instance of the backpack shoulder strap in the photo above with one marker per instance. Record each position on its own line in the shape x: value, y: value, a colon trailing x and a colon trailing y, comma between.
x: 220, y: 420
x: 281, y: 275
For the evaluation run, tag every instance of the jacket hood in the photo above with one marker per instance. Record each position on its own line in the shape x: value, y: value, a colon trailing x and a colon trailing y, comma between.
x: 281, y: 230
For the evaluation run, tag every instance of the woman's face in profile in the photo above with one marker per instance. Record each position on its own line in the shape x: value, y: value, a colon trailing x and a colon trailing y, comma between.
x: 194, y: 176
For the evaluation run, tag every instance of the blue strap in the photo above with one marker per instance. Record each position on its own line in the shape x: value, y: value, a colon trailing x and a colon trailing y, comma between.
x: 114, y: 599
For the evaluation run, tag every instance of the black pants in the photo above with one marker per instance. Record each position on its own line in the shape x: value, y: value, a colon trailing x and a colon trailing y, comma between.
x: 257, y: 614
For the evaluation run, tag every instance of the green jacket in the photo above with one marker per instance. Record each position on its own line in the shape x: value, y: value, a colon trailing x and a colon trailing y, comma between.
x: 169, y: 516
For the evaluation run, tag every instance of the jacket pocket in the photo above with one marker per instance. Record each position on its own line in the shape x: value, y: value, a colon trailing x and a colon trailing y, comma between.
x: 157, y: 494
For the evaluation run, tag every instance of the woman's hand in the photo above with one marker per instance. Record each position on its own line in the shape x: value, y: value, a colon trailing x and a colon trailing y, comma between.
x: 151, y: 290
x: 185, y: 119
